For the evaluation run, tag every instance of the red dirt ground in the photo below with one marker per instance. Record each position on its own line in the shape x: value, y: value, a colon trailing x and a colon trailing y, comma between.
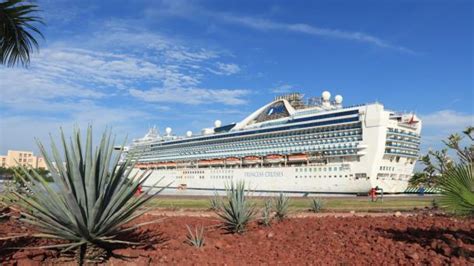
x: 418, y: 239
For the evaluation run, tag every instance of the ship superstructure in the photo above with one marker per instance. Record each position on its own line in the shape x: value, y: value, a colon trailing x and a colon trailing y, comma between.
x: 290, y: 145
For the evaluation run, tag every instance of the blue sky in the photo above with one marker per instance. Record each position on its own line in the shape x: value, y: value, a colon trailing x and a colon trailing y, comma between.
x: 184, y: 64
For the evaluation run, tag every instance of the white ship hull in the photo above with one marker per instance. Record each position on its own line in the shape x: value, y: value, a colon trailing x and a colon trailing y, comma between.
x: 291, y: 180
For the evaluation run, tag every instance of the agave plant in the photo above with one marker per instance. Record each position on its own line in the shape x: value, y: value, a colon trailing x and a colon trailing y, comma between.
x: 93, y: 198
x: 215, y: 202
x: 317, y: 204
x: 236, y: 211
x: 457, y: 189
x: 267, y: 213
x: 195, y: 238
x: 282, y: 203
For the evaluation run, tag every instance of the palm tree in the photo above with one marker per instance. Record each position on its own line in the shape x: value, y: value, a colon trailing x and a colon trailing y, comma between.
x: 17, y: 20
x: 457, y: 189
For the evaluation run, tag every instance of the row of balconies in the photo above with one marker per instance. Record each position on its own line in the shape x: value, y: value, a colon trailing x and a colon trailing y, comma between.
x: 258, y: 147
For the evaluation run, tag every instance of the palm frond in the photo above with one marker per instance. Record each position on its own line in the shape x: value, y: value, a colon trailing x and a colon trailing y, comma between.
x: 457, y: 189
x: 17, y: 25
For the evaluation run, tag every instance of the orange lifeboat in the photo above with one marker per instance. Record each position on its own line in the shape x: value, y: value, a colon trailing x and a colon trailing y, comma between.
x: 297, y: 157
x: 216, y: 162
x: 204, y: 162
x: 274, y: 158
x: 168, y: 164
x: 160, y: 165
x: 232, y: 161
x: 252, y: 160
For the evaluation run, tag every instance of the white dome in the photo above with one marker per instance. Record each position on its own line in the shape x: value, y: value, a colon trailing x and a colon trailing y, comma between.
x: 168, y: 131
x: 217, y: 123
x: 326, y: 95
x: 189, y: 134
x: 338, y: 99
x: 207, y: 131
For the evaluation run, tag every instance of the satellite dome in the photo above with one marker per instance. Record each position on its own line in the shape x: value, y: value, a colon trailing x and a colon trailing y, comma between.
x: 168, y: 131
x: 338, y: 99
x: 217, y: 123
x: 189, y: 134
x: 326, y: 95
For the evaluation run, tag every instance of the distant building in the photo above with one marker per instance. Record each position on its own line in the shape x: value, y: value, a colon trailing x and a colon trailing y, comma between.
x: 24, y: 158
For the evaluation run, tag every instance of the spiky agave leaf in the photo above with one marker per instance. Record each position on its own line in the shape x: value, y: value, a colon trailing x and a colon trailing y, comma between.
x: 317, y: 204
x: 282, y: 203
x: 214, y: 202
x: 457, y: 189
x: 195, y: 238
x: 94, y: 194
x: 236, y: 210
x: 267, y: 213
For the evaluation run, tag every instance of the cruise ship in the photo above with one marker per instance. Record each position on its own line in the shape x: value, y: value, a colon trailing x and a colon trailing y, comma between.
x: 291, y: 145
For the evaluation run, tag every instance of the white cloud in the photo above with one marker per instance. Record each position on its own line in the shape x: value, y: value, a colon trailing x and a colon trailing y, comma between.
x: 190, y: 10
x: 283, y: 88
x: 191, y: 95
x: 447, y: 118
x: 19, y: 131
x: 226, y: 69
x: 267, y: 25
x: 92, y: 79
x: 437, y: 126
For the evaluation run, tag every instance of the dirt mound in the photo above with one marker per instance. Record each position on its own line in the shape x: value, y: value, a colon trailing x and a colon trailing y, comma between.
x: 420, y: 239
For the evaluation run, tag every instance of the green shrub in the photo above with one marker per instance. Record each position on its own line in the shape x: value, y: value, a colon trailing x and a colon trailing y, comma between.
x: 195, y: 238
x: 282, y: 203
x: 317, y: 204
x: 267, y: 213
x: 93, y: 198
x: 236, y: 210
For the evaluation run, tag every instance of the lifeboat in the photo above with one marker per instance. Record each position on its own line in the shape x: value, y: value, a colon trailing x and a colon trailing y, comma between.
x: 169, y: 164
x: 216, y: 162
x: 160, y: 165
x: 185, y: 163
x: 274, y: 158
x: 204, y: 162
x: 252, y: 160
x: 152, y: 165
x: 298, y: 157
x: 232, y: 161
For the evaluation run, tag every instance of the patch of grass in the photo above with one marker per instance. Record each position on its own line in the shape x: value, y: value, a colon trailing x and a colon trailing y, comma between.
x: 301, y: 204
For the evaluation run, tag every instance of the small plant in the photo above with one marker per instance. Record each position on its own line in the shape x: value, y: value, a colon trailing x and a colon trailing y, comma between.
x: 215, y: 202
x: 434, y: 204
x: 282, y: 203
x: 267, y: 213
x: 236, y: 211
x: 195, y: 238
x: 317, y: 204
